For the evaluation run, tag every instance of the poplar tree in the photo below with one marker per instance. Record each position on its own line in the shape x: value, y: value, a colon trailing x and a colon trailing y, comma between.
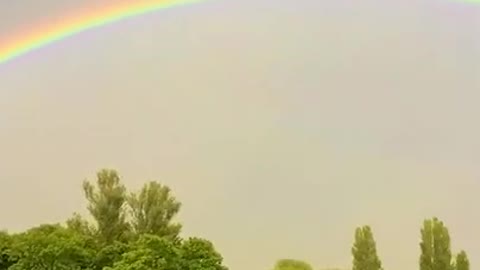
x: 461, y: 261
x: 364, y: 250
x: 435, y: 246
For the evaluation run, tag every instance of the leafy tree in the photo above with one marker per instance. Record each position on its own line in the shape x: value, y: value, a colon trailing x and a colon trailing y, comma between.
x: 200, y: 254
x: 153, y: 209
x: 426, y: 246
x: 149, y: 253
x: 80, y: 225
x: 108, y: 246
x: 435, y: 246
x: 290, y: 264
x: 7, y: 258
x: 462, y: 262
x: 109, y: 254
x: 50, y: 247
x: 364, y: 250
x: 106, y: 204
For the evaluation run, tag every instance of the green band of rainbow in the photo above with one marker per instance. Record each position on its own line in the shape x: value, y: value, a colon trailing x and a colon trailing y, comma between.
x: 21, y: 45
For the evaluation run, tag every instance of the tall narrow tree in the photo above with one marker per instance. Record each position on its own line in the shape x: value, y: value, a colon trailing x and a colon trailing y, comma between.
x: 426, y: 246
x: 441, y: 244
x: 461, y: 261
x: 435, y: 246
x: 153, y: 209
x: 106, y: 205
x: 364, y: 250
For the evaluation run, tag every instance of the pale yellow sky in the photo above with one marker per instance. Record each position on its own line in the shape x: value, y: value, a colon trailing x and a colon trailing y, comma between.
x: 280, y: 125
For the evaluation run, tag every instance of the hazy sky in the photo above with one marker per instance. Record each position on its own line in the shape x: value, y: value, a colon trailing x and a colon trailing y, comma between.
x: 281, y: 125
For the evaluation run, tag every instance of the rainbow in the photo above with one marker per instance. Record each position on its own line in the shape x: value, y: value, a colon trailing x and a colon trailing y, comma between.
x: 22, y: 44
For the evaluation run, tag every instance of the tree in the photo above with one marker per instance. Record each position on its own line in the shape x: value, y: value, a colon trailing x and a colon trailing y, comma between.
x: 78, y: 245
x: 77, y: 224
x: 149, y: 252
x: 106, y: 205
x: 153, y: 209
x: 51, y: 247
x: 435, y: 246
x: 108, y: 255
x: 462, y: 262
x: 290, y: 264
x: 7, y: 258
x: 200, y: 254
x: 426, y: 246
x: 364, y: 250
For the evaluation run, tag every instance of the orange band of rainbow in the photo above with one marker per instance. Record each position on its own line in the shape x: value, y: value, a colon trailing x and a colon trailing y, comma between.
x: 20, y: 45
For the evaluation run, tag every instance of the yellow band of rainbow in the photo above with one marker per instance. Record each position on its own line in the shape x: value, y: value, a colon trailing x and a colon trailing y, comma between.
x: 19, y: 45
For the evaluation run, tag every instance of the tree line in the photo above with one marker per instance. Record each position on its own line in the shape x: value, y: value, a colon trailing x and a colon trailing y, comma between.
x: 435, y: 251
x: 136, y: 231
x: 130, y: 231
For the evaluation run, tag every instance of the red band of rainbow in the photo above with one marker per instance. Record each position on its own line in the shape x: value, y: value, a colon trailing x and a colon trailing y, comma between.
x: 20, y: 45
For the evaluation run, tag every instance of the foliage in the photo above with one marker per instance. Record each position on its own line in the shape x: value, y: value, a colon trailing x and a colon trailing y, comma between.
x: 461, y: 261
x: 364, y: 250
x: 200, y: 254
x: 51, y: 247
x: 290, y: 264
x: 106, y: 205
x: 149, y: 253
x: 435, y: 246
x: 109, y: 254
x: 6, y: 256
x: 108, y: 244
x: 153, y: 209
x: 79, y: 225
x: 426, y: 246
x: 137, y: 232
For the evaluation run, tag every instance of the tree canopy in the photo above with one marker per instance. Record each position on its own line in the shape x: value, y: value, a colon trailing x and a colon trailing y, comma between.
x: 364, y: 250
x: 132, y: 231
x: 461, y: 261
x: 291, y: 264
x: 138, y: 231
x: 153, y: 209
x: 435, y: 246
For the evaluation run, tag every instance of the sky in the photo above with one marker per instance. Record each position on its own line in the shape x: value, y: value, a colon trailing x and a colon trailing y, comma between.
x: 280, y: 125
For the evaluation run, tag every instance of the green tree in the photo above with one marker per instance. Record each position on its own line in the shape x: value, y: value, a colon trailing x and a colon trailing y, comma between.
x: 108, y: 255
x: 290, y: 264
x: 80, y: 225
x: 461, y: 261
x: 200, y: 254
x: 426, y: 245
x: 51, y: 247
x: 7, y: 258
x: 364, y: 250
x: 78, y: 245
x: 149, y: 252
x: 435, y: 246
x: 153, y: 209
x: 106, y: 205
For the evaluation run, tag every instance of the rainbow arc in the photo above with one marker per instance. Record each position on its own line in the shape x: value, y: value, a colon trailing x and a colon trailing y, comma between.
x: 19, y: 45
x: 22, y: 44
